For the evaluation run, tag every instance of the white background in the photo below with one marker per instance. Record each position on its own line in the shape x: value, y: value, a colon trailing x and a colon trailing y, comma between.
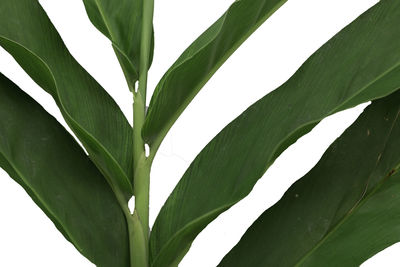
x: 266, y: 60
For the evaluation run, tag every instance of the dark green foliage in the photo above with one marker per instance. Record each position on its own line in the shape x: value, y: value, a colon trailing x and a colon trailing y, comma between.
x: 344, y: 210
x: 229, y: 166
x: 40, y: 155
x: 28, y: 35
x: 347, y: 204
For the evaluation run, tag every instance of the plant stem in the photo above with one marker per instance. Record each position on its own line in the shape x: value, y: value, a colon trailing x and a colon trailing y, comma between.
x: 141, y: 170
x: 139, y: 222
x: 138, y: 242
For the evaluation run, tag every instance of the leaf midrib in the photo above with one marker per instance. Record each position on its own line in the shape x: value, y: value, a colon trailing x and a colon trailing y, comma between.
x: 193, y: 222
x: 106, y: 23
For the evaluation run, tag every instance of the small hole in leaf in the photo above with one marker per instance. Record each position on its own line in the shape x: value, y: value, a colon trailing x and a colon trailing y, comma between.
x: 147, y: 150
x: 136, y: 86
x: 131, y: 204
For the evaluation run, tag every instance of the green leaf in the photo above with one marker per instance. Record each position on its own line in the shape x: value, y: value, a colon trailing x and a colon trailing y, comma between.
x: 345, y: 210
x: 28, y: 35
x: 45, y: 160
x: 200, y: 61
x: 359, y: 64
x: 121, y: 22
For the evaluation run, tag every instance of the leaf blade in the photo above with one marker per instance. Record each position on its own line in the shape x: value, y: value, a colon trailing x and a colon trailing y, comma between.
x: 360, y: 57
x: 346, y: 204
x: 200, y: 61
x: 28, y: 35
x: 40, y: 155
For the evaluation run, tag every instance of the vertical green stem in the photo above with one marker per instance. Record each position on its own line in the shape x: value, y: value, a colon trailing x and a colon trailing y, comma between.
x: 139, y: 222
x: 138, y: 240
x: 141, y: 170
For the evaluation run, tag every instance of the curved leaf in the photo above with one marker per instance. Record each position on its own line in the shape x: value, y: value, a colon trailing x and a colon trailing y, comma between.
x: 200, y: 61
x: 344, y: 72
x: 45, y: 160
x: 121, y: 22
x: 28, y: 35
x: 342, y: 212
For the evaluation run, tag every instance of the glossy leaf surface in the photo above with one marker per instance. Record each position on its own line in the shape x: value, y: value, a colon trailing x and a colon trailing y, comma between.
x: 359, y: 64
x: 200, y: 61
x: 345, y: 210
x: 120, y: 21
x: 39, y: 154
x: 28, y: 35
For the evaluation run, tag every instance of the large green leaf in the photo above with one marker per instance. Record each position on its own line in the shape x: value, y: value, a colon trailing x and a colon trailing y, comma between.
x: 45, y: 160
x: 344, y: 210
x: 200, y: 61
x: 120, y: 21
x: 28, y: 35
x: 360, y: 63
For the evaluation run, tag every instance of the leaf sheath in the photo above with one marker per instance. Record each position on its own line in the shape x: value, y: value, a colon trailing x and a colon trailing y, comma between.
x: 121, y: 22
